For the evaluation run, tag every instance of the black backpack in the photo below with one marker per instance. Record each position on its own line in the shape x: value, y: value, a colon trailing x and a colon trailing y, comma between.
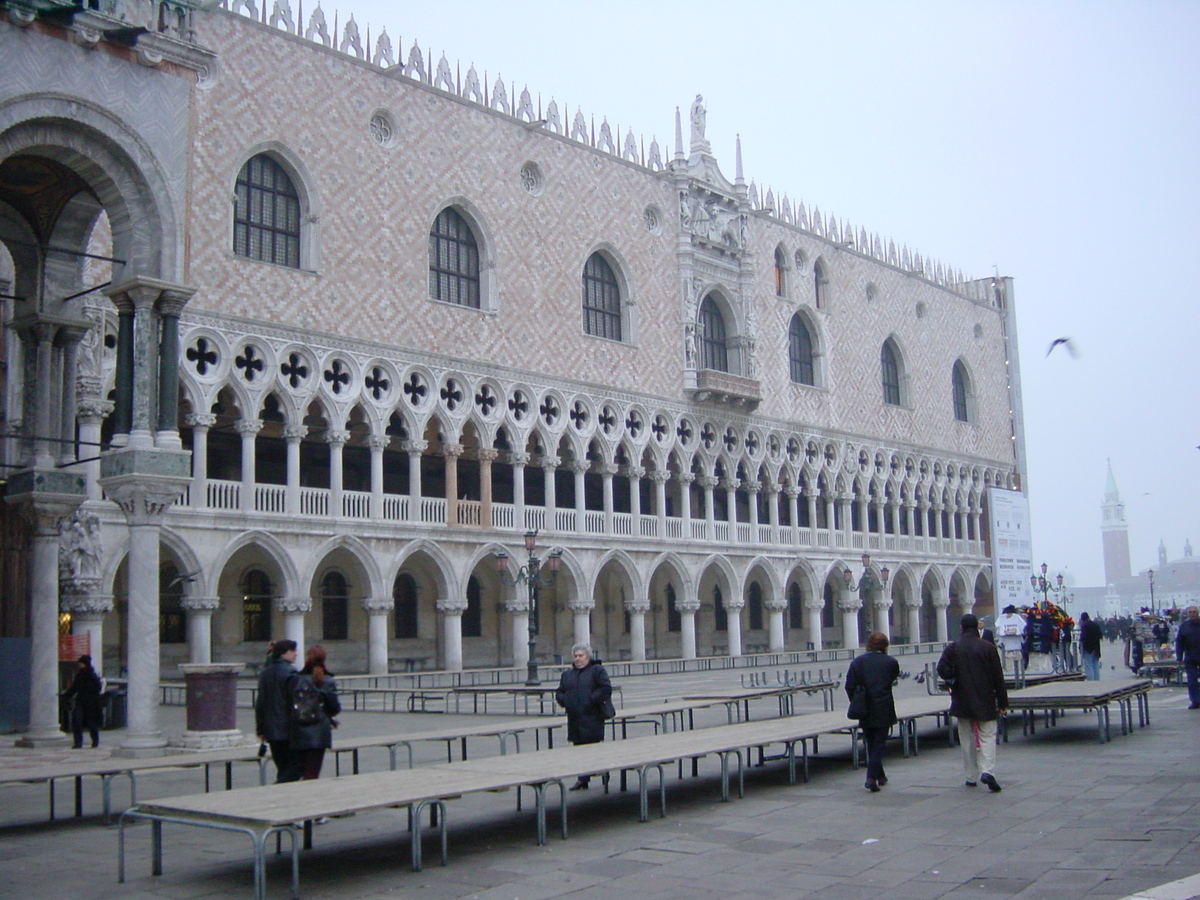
x: 307, y: 701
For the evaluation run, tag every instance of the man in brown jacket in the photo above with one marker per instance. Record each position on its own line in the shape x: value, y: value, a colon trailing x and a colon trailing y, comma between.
x: 978, y: 697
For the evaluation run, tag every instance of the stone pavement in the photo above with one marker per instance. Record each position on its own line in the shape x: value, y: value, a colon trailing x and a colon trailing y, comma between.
x: 1076, y: 819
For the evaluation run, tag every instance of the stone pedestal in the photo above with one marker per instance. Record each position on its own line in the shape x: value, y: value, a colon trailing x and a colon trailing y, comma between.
x: 211, y: 707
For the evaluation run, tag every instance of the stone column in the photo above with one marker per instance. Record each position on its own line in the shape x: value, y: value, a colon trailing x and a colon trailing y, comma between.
x: 685, y: 503
x: 414, y: 449
x: 377, y: 610
x: 336, y: 439
x: 201, y: 423
x: 753, y: 489
x: 88, y: 608
x: 776, y: 640
x: 293, y: 434
x: 487, y: 455
x: 660, y: 478
x: 708, y: 482
x: 812, y: 613
x: 793, y: 494
x: 734, y: 604
x: 937, y: 520
x: 843, y: 502
x: 377, y: 444
x: 637, y: 627
x: 199, y: 627
x: 517, y: 605
x: 977, y: 519
x: 772, y: 488
x: 579, y: 468
x: 687, y: 627
x: 941, y: 604
x: 170, y: 307
x: 894, y: 509
x: 92, y: 412
x: 581, y: 614
x: 68, y: 339
x: 293, y: 610
x: 248, y: 429
x: 914, y: 620
x: 452, y: 611
x: 144, y: 497
x: 850, y: 604
x: 830, y: 519
x: 518, y: 462
x: 864, y: 520
x: 549, y: 465
x: 881, y: 605
x: 44, y: 455
x: 810, y: 497
x: 635, y: 500
x: 450, y: 454
x: 923, y: 516
x: 879, y: 513
x: 607, y: 472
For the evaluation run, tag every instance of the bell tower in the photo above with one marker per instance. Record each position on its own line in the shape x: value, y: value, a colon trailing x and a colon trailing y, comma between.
x: 1115, y: 533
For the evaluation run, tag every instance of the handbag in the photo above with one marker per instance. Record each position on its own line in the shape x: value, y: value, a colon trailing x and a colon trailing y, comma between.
x: 607, y: 709
x: 860, y: 704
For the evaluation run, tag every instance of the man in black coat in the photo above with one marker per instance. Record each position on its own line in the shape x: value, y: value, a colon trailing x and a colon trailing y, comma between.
x: 1187, y: 651
x: 582, y: 690
x: 1090, y: 635
x: 876, y: 673
x: 978, y: 697
x: 86, y: 690
x: 272, y: 710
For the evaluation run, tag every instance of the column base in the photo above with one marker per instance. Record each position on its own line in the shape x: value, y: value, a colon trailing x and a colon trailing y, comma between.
x: 40, y: 741
x: 141, y: 746
x: 200, y: 741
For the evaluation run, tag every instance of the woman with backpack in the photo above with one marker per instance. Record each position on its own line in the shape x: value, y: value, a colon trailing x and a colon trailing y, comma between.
x: 315, y: 702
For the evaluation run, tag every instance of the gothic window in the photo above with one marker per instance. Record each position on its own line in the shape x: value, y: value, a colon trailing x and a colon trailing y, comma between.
x: 754, y: 606
x: 404, y: 595
x: 720, y: 613
x: 453, y: 260
x: 257, y: 592
x: 266, y: 217
x: 889, y: 365
x: 335, y: 607
x: 714, y: 354
x: 601, y: 299
x: 820, y: 284
x: 780, y: 272
x: 800, y: 352
x: 674, y: 619
x: 960, y: 384
x: 472, y: 617
x: 172, y: 620
x: 829, y: 601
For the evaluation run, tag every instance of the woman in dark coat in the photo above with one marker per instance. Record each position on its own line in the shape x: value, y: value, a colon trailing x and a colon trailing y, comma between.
x: 582, y: 690
x: 877, y: 673
x: 85, y: 690
x: 310, y: 741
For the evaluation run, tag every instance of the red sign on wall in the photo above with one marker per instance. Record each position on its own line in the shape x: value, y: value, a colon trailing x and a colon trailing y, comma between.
x: 73, y: 646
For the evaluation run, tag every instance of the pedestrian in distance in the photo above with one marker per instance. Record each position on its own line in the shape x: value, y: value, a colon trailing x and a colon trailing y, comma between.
x: 314, y: 703
x: 1090, y: 636
x: 272, y: 710
x: 584, y: 691
x: 1187, y: 651
x: 978, y: 697
x: 874, y: 673
x: 84, y: 694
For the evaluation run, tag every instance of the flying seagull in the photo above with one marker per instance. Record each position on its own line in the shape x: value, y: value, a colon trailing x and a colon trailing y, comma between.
x: 1066, y: 342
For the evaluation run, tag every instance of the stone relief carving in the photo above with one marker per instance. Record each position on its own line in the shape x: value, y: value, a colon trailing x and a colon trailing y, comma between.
x: 79, y: 547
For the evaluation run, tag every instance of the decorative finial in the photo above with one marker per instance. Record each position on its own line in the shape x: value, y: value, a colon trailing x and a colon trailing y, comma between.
x: 678, y: 135
x: 738, y: 178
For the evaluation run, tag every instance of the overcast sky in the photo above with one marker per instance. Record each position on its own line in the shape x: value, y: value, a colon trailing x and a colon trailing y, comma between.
x: 1055, y: 142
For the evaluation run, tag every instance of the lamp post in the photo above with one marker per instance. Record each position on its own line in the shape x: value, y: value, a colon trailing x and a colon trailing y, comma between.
x: 1040, y: 584
x: 1150, y: 574
x: 534, y: 578
x: 867, y: 585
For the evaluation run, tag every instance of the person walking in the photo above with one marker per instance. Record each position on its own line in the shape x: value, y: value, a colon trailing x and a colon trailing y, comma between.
x: 314, y: 703
x: 875, y: 672
x: 583, y: 691
x: 272, y: 710
x: 1090, y: 636
x: 1187, y: 651
x: 978, y: 698
x: 1009, y: 631
x: 85, y: 690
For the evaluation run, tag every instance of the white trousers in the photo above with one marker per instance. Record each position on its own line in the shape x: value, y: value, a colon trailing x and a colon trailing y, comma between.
x: 978, y: 740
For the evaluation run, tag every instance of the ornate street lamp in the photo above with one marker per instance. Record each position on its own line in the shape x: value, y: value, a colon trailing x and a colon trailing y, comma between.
x: 867, y: 585
x: 534, y: 578
x: 1043, y: 586
x: 1150, y: 573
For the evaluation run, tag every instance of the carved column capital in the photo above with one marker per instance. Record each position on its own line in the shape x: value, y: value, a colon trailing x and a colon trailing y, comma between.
x: 452, y: 450
x: 295, y: 433
x: 335, y: 436
x: 294, y: 604
x: 451, y: 606
x: 201, y: 604
x: 378, y: 606
x: 417, y: 447
x: 549, y: 462
x: 378, y: 441
x: 199, y: 420
x: 248, y: 426
x: 518, y: 458
x: 487, y: 454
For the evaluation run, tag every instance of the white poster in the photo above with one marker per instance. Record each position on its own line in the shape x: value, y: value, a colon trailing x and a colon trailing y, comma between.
x: 1012, y: 550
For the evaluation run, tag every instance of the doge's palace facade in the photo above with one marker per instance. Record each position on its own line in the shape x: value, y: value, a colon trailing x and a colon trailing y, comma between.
x: 302, y: 333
